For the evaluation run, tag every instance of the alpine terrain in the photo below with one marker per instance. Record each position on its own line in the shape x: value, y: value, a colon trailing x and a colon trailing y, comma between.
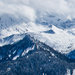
x: 37, y: 37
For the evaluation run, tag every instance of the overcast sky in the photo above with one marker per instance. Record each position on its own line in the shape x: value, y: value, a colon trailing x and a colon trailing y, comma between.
x: 30, y: 7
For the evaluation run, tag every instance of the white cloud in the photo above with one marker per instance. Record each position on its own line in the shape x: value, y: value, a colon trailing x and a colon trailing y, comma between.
x: 25, y: 7
x: 17, y: 10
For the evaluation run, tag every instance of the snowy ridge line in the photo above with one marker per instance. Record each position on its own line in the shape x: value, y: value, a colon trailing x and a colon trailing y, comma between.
x: 51, y: 35
x: 46, y: 24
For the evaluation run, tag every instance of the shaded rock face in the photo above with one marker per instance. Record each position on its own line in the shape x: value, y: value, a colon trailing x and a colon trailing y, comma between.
x: 41, y: 60
x: 38, y: 62
x: 71, y: 55
x: 50, y: 31
x: 9, y: 51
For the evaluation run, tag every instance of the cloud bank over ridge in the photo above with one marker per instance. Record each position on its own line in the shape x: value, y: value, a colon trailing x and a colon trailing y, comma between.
x: 32, y: 8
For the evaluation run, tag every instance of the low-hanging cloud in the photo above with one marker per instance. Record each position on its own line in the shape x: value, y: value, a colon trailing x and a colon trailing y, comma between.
x: 60, y: 7
x: 17, y: 10
x: 32, y: 8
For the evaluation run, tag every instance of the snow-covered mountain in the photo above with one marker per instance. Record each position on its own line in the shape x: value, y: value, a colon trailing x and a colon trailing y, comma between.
x: 59, y: 39
x: 29, y: 56
x: 36, y: 37
x: 52, y: 28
